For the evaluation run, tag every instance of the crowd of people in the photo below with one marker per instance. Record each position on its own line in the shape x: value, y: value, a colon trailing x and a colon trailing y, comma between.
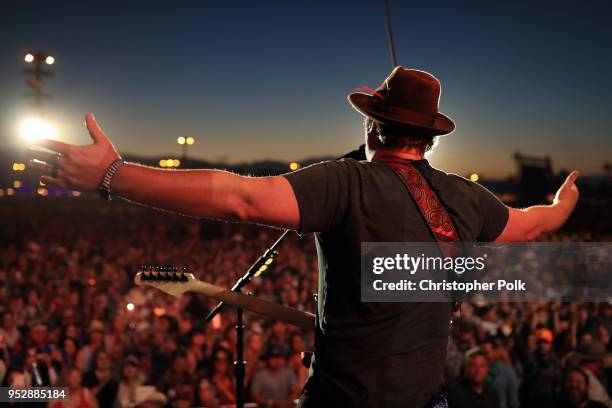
x: 71, y: 316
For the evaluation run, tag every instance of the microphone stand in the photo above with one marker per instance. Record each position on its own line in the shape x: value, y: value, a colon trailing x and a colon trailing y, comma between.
x: 258, y: 267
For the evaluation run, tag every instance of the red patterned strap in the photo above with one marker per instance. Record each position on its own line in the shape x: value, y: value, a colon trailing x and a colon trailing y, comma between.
x: 438, y: 220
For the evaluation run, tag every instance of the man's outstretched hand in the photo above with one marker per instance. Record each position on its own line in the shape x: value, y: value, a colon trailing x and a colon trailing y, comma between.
x: 568, y: 192
x: 75, y: 167
x: 529, y: 223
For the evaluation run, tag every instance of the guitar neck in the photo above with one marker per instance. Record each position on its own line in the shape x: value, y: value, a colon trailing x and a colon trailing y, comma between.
x: 275, y: 311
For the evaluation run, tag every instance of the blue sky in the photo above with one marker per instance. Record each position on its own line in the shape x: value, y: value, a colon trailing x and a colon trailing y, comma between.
x: 269, y: 79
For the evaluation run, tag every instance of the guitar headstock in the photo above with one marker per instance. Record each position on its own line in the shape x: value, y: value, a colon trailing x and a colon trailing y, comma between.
x: 168, y: 279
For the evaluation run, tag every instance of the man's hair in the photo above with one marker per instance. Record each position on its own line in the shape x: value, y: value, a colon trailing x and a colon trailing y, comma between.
x: 574, y: 369
x: 477, y: 353
x: 395, y: 137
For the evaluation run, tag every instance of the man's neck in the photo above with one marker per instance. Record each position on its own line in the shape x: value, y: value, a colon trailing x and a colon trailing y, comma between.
x: 403, y: 154
x: 478, y: 388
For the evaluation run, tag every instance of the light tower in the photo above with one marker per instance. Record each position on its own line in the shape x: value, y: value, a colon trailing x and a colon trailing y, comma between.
x: 36, y: 71
x: 185, y: 142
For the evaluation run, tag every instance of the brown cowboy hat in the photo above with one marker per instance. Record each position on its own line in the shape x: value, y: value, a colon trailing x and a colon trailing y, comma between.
x: 407, y: 98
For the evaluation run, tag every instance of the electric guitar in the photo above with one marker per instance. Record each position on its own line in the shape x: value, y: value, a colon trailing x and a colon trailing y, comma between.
x: 175, y: 283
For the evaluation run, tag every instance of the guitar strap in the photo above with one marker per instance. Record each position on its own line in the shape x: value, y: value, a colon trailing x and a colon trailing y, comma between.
x: 440, y: 224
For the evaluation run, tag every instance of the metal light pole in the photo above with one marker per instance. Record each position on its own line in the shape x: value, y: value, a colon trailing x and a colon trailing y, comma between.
x: 185, y: 142
x: 36, y: 72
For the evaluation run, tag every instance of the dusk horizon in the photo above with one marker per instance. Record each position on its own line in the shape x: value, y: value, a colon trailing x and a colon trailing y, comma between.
x: 271, y: 82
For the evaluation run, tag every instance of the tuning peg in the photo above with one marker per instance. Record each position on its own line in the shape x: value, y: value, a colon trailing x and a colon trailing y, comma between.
x: 184, y: 274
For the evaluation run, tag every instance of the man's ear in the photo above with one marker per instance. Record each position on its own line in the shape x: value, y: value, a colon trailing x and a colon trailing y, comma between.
x: 373, y: 140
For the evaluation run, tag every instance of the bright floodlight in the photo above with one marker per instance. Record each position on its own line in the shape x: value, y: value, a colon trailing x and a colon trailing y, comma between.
x: 28, y: 58
x: 50, y: 60
x: 181, y: 140
x: 190, y: 140
x: 34, y: 129
x: 474, y: 177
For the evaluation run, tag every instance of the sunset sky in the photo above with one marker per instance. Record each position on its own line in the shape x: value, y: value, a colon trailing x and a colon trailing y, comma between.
x: 268, y: 79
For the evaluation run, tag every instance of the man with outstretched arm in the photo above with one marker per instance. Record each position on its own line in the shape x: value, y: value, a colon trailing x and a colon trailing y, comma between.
x: 366, y: 354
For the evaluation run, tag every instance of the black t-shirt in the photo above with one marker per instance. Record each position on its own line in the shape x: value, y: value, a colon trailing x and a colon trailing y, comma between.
x: 380, y: 354
x: 462, y: 395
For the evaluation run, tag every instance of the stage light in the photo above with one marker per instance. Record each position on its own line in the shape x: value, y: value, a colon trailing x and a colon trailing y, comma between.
x: 169, y: 163
x: 190, y: 140
x: 130, y: 306
x: 17, y: 184
x: 34, y: 129
x: 474, y: 177
x: 176, y: 163
x: 181, y: 140
x: 49, y: 60
x: 294, y: 166
x: 162, y: 163
x: 10, y: 192
x: 28, y: 58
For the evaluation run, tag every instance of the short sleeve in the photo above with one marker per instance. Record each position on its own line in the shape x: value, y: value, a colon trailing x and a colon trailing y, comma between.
x: 322, y: 193
x: 493, y: 214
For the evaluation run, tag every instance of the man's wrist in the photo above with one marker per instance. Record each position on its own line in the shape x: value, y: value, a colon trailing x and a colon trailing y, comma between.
x: 104, y: 189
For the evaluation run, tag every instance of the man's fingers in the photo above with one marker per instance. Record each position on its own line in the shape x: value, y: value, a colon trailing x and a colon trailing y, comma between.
x: 55, y: 145
x: 45, y: 168
x: 39, y: 165
x: 571, y: 179
x: 94, y: 129
x: 573, y: 176
x: 51, y: 158
x: 53, y: 181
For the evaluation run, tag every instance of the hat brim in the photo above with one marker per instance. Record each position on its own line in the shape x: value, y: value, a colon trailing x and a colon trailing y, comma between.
x: 442, y: 125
